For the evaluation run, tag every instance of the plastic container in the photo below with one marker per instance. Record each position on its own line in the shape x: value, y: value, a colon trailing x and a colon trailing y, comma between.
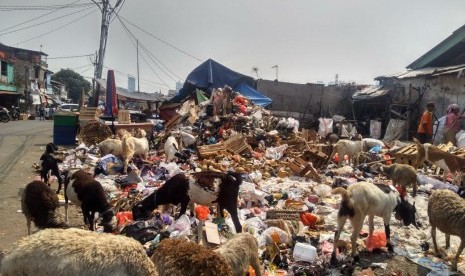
x: 65, y: 120
x: 304, y: 252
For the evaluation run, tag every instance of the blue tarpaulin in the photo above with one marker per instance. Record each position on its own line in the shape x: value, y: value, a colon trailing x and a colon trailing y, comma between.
x: 253, y: 95
x: 210, y: 75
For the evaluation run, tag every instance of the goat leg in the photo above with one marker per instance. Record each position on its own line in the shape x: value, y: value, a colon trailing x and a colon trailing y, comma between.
x: 237, y: 224
x: 387, y: 230
x: 91, y: 220
x: 459, y: 251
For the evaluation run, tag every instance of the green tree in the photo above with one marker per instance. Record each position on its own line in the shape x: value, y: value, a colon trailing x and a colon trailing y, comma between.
x: 74, y: 83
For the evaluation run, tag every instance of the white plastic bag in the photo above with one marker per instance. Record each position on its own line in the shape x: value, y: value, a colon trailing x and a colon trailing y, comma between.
x: 325, y: 127
x: 375, y: 129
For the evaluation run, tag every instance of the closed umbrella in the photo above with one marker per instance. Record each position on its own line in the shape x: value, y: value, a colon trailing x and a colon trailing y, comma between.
x: 111, y: 107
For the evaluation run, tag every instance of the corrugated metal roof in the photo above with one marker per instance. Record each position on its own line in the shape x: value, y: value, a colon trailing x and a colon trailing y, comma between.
x: 140, y: 96
x: 370, y: 92
x: 430, y: 71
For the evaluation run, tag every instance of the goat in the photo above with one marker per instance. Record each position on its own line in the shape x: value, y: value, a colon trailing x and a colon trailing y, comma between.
x: 171, y: 148
x: 77, y: 252
x: 205, y: 188
x: 446, y: 211
x: 84, y: 191
x: 349, y: 148
x: 111, y: 146
x: 49, y: 162
x: 39, y: 205
x: 402, y: 174
x: 445, y: 160
x: 365, y: 199
x: 181, y: 257
x: 134, y: 146
x: 240, y: 252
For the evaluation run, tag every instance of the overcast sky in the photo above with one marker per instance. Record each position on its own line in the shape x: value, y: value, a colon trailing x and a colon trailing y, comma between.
x: 310, y: 40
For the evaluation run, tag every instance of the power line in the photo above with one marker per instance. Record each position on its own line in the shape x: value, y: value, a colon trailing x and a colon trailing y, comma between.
x: 43, y: 7
x: 150, y: 55
x: 35, y: 18
x: 131, y: 37
x: 88, y: 55
x: 51, y: 31
x: 127, y: 74
x: 161, y: 40
x: 41, y: 23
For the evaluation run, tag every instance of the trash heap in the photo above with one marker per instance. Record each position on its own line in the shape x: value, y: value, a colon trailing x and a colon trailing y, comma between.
x: 285, y: 199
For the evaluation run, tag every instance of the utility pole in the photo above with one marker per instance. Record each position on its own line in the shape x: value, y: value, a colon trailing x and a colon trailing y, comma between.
x: 276, y: 66
x: 138, y: 83
x: 107, y: 13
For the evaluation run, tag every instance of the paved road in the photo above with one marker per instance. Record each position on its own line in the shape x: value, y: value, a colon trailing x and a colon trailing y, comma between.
x: 21, y: 144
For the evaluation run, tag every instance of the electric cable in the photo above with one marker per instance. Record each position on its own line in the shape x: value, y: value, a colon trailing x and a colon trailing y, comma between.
x: 161, y: 40
x: 41, y: 23
x: 61, y: 27
x: 35, y: 18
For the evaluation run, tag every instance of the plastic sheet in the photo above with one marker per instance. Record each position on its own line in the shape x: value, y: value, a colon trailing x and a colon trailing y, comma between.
x: 394, y: 130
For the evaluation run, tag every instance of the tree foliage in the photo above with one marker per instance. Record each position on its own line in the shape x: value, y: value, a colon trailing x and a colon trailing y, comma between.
x: 74, y: 83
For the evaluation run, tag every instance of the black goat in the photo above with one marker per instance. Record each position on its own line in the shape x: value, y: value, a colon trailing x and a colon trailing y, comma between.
x: 205, y: 188
x: 49, y: 162
x: 39, y: 204
x: 84, y: 191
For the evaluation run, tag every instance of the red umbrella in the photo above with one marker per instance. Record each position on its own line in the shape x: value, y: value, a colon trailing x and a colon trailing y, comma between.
x: 111, y: 106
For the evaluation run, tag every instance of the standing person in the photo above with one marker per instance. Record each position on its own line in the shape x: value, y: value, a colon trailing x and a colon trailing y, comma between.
x: 41, y: 113
x: 452, y: 125
x: 425, y: 127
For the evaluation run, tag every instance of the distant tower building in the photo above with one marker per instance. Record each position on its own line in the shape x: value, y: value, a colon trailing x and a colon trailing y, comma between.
x: 131, y: 84
x: 178, y: 86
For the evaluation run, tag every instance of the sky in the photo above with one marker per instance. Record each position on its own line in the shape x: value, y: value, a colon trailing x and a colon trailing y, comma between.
x: 310, y: 40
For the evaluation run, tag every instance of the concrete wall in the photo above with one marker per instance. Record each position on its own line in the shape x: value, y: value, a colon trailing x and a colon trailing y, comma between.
x: 307, y: 102
x: 443, y: 90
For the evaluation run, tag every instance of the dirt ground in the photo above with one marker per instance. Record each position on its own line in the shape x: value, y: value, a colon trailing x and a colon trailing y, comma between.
x: 22, y: 143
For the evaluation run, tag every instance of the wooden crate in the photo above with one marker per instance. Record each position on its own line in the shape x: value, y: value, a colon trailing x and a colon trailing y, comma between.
x: 174, y: 121
x: 236, y: 144
x: 315, y: 156
x: 324, y: 148
x: 124, y: 117
x: 407, y: 155
x: 309, y: 135
x: 300, y: 166
x: 283, y: 214
x: 89, y: 113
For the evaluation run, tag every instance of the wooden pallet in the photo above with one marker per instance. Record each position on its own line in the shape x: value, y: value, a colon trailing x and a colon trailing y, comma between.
x: 283, y: 214
x: 407, y: 155
x: 209, y: 151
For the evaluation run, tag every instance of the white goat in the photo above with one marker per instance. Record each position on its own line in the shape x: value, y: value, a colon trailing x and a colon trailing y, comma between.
x: 171, y: 148
x: 134, y: 146
x: 350, y: 148
x: 365, y: 199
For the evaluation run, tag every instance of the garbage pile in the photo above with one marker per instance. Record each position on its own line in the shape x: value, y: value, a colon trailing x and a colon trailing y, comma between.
x: 285, y: 198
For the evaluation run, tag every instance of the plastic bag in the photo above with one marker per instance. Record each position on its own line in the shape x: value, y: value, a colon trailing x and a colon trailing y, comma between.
x: 395, y: 130
x: 275, y: 153
x: 181, y: 227
x: 460, y: 137
x: 325, y: 127
x: 438, y: 130
x: 378, y: 240
x: 271, y: 234
x: 375, y: 129
x: 322, y: 190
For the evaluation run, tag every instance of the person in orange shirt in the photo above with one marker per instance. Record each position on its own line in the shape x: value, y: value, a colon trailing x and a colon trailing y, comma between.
x: 425, y: 128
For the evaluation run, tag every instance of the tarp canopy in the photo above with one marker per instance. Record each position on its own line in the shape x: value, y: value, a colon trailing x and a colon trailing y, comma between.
x: 253, y: 95
x: 210, y: 75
